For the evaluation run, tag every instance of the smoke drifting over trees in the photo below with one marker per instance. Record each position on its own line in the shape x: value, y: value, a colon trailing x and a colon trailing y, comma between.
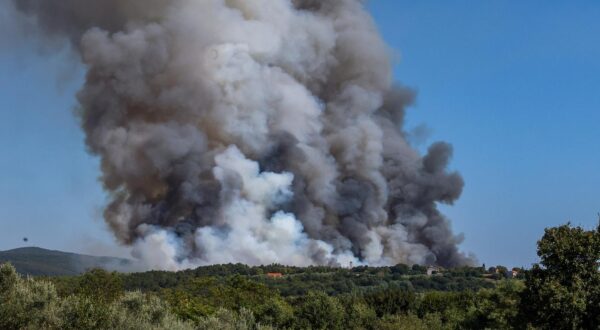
x: 262, y: 131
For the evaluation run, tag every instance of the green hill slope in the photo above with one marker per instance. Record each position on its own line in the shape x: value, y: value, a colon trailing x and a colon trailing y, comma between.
x: 37, y: 262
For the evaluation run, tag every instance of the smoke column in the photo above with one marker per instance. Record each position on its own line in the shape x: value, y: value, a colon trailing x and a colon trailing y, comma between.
x: 254, y: 131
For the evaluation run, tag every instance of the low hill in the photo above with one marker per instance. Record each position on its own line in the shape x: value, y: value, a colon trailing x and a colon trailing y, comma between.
x: 41, y: 262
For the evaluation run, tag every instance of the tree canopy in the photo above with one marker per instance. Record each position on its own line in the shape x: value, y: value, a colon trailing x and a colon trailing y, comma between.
x: 563, y: 290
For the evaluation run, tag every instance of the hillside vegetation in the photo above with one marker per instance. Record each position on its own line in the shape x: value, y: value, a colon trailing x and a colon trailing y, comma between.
x: 562, y: 292
x: 37, y: 262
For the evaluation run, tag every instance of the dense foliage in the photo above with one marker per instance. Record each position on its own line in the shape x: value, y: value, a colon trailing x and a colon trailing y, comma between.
x: 35, y: 304
x: 333, y: 281
x: 561, y: 293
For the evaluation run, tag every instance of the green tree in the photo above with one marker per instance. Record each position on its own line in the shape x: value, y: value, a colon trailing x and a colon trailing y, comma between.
x: 418, y: 269
x: 496, y: 308
x: 453, y: 308
x: 391, y: 301
x: 187, y: 305
x: 100, y: 285
x: 275, y: 312
x: 319, y: 311
x: 358, y: 315
x: 563, y: 291
x: 400, y: 269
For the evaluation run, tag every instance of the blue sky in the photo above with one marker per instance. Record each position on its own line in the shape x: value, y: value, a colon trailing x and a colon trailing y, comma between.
x: 513, y: 85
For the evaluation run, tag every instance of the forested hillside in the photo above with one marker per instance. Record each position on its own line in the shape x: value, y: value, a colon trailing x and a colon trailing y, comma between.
x: 37, y: 261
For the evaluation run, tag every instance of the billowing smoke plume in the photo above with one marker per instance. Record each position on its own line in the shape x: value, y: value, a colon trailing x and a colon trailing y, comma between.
x: 255, y: 131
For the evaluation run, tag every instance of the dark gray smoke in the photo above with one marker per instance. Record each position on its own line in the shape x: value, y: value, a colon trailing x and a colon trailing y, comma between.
x: 256, y: 131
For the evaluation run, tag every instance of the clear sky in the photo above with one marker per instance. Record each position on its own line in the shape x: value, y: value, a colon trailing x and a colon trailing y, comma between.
x: 513, y: 85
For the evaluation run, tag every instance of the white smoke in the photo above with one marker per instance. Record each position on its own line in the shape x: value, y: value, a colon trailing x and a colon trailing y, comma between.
x: 251, y: 228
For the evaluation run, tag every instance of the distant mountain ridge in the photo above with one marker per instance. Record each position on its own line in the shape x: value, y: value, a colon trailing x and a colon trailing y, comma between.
x: 36, y: 261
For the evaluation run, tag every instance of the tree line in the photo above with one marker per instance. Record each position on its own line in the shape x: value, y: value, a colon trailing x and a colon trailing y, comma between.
x: 561, y: 292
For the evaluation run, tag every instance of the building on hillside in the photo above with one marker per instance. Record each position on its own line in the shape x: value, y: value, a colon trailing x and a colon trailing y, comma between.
x: 274, y: 275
